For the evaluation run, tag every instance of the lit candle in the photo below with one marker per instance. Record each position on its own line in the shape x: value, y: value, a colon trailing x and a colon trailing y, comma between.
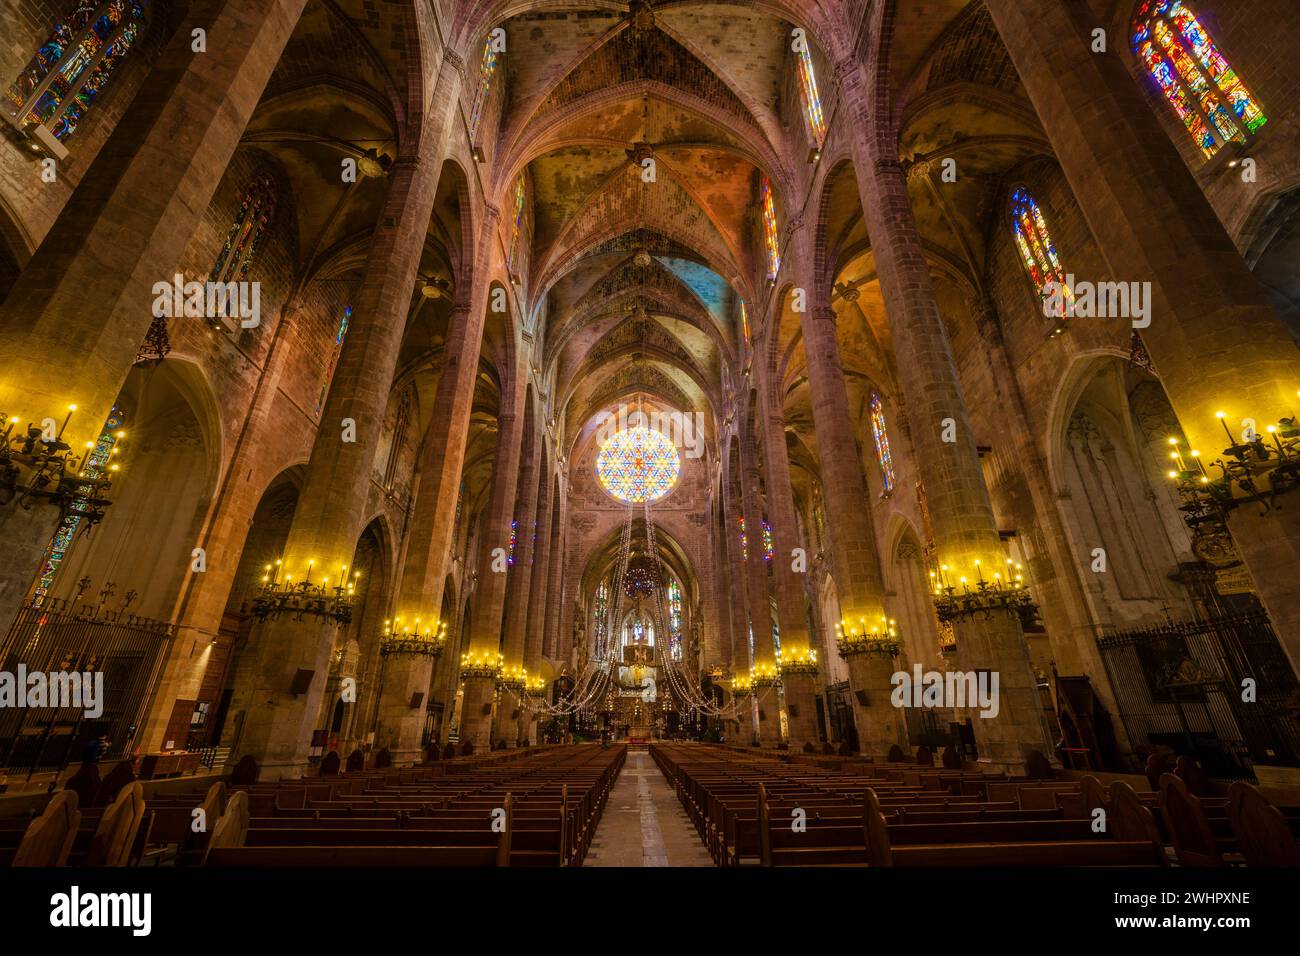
x: 71, y: 409
x: 1221, y: 417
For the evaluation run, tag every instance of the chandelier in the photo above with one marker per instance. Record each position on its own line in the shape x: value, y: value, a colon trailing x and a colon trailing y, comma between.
x: 296, y: 599
x: 36, y: 464
x: 642, y: 577
x: 879, y: 637
x: 1254, y: 470
x: 966, y: 600
x: 413, y: 638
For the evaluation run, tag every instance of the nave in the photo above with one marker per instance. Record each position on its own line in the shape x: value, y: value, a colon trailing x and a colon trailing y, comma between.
x: 673, y: 805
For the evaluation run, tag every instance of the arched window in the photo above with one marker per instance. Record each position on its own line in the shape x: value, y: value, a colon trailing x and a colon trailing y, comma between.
x: 96, y: 466
x: 246, y: 233
x: 768, y: 552
x: 881, y: 435
x: 770, y: 236
x: 486, y: 69
x: 1037, y: 250
x: 602, y: 618
x: 744, y: 540
x: 73, y: 66
x: 334, y: 358
x: 812, y: 100
x: 675, y: 620
x: 514, y: 539
x: 1194, y: 76
x: 520, y: 195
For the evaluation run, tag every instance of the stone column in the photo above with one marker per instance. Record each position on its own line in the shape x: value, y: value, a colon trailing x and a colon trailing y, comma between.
x: 538, y: 597
x: 738, y: 577
x: 331, y: 508
x: 1213, y: 335
x: 72, y: 323
x: 482, y: 665
x: 518, y: 587
x: 798, y: 661
x: 555, y: 578
x: 764, y: 671
x: 965, y: 532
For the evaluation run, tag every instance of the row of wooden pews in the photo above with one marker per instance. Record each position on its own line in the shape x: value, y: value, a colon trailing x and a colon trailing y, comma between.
x: 754, y: 809
x: 539, y: 809
x: 529, y: 808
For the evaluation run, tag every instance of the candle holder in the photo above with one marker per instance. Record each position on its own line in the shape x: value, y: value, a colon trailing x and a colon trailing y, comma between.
x: 741, y: 685
x: 514, y: 679
x: 481, y: 665
x: 38, y: 467
x: 764, y: 675
x: 964, y: 599
x: 413, y: 638
x: 1255, y: 470
x: 296, y: 600
x: 879, y: 637
x: 800, y: 663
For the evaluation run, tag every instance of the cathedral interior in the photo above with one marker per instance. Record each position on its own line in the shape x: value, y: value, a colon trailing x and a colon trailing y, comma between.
x: 574, y: 410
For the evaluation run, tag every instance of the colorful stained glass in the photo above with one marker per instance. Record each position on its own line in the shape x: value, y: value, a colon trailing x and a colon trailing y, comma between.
x: 675, y: 620
x: 246, y: 233
x: 812, y: 101
x: 520, y: 195
x: 487, y: 68
x: 744, y: 540
x: 770, y: 235
x: 1195, y: 78
x: 1037, y: 251
x: 95, y: 466
x: 334, y: 360
x: 638, y: 464
x: 881, y: 435
x: 514, y: 539
x: 744, y: 319
x: 72, y: 67
x: 768, y: 552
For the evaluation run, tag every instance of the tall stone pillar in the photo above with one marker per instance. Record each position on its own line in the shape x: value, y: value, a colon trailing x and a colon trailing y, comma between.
x: 855, y: 564
x: 538, y: 597
x: 965, y: 532
x: 738, y: 577
x: 72, y: 323
x: 279, y: 712
x: 518, y: 587
x: 482, y: 665
x: 798, y: 660
x: 764, y: 670
x: 552, y: 639
x: 1215, y: 338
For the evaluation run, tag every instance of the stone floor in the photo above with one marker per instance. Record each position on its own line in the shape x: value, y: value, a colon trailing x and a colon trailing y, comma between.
x: 643, y: 824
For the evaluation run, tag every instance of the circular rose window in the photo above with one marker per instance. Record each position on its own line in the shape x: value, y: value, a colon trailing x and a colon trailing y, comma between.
x: 637, y: 465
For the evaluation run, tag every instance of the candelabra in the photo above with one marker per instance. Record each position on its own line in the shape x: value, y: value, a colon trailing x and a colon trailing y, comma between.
x: 413, y: 638
x: 481, y: 665
x: 36, y: 464
x: 879, y: 637
x: 513, y: 679
x: 796, y: 662
x: 741, y: 685
x: 1005, y: 592
x: 764, y: 675
x: 1254, y: 470
x: 296, y: 599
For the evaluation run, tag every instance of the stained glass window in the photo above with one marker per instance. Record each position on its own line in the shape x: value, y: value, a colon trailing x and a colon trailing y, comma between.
x: 1204, y: 91
x: 486, y: 69
x: 812, y: 100
x: 770, y: 237
x: 675, y: 620
x: 73, y: 66
x: 514, y: 539
x: 881, y: 435
x: 744, y: 319
x: 744, y: 540
x: 246, y: 233
x: 96, y: 466
x: 519, y: 218
x: 602, y: 618
x: 638, y: 464
x: 334, y: 360
x: 1037, y: 251
x: 767, y: 541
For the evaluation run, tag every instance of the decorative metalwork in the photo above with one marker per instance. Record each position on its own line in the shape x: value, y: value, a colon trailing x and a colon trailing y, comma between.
x: 40, y: 466
x: 298, y: 599
x: 963, y: 600
x: 412, y: 639
x: 1252, y: 471
x: 880, y: 637
x: 157, y: 343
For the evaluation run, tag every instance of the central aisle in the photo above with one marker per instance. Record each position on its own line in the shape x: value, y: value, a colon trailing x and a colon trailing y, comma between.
x: 643, y: 824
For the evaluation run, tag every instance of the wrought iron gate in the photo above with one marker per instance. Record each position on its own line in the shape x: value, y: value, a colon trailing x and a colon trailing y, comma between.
x: 59, y: 637
x: 1181, y: 684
